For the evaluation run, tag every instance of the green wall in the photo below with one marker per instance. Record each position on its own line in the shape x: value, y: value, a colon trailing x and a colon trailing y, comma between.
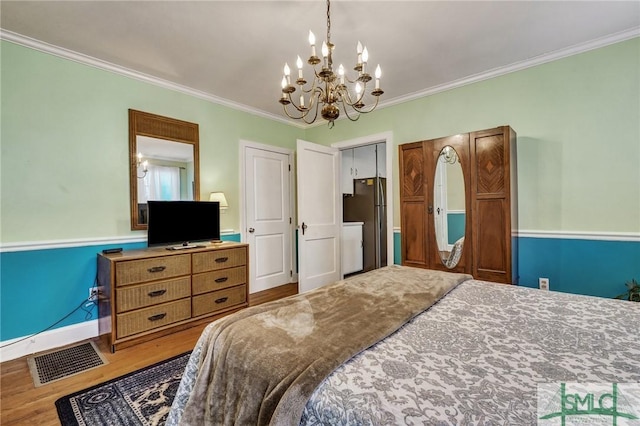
x: 578, y: 126
x: 64, y: 141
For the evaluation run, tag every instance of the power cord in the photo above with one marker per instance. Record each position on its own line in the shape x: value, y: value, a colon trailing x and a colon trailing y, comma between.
x: 83, y: 306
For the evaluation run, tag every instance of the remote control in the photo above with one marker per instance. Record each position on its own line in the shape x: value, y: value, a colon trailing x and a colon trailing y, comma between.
x: 112, y: 250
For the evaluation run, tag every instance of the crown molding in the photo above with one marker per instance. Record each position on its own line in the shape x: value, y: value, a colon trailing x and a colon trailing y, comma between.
x: 117, y: 69
x: 518, y: 66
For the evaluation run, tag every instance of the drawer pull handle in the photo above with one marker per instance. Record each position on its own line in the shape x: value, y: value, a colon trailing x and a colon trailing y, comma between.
x: 221, y: 259
x: 222, y: 300
x: 157, y: 269
x: 157, y: 293
x: 221, y: 279
x: 157, y: 317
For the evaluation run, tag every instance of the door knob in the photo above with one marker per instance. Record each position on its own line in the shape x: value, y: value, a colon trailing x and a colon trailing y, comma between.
x: 304, y: 227
x: 430, y: 209
x: 252, y: 230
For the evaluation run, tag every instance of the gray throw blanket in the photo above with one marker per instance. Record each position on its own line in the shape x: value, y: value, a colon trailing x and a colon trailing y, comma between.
x: 259, y: 366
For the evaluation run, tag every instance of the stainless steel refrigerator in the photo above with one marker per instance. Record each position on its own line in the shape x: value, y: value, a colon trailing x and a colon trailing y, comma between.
x: 368, y: 205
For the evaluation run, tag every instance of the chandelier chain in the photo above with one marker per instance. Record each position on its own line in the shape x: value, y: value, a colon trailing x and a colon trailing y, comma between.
x: 328, y: 22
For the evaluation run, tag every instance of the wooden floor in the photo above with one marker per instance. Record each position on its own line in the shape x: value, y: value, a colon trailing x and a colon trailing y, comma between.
x: 22, y: 403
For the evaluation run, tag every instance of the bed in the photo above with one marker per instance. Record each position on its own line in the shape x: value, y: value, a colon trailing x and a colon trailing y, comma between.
x: 478, y: 353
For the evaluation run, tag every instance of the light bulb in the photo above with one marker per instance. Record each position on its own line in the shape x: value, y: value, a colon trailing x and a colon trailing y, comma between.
x: 299, y: 64
x: 378, y: 71
x: 365, y: 55
x: 287, y: 72
x: 325, y: 49
x: 312, y: 42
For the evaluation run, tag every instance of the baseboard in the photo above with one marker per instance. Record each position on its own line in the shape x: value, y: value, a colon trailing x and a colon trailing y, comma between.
x: 48, y: 340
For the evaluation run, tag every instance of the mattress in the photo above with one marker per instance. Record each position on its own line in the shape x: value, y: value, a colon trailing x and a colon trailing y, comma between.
x: 478, y: 356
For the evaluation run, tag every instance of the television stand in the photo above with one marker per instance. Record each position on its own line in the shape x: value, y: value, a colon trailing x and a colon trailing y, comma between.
x: 151, y: 292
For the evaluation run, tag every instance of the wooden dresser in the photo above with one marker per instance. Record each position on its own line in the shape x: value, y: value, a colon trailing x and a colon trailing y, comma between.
x: 152, y: 292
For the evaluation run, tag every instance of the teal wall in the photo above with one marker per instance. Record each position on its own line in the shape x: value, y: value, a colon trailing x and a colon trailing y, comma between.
x: 455, y: 226
x: 64, y: 166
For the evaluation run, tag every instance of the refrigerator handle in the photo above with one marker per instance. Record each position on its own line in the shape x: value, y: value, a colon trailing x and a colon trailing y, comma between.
x: 381, y: 199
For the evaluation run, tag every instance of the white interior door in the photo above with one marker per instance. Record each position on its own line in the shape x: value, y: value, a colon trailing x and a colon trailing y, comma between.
x: 268, y: 219
x: 319, y: 215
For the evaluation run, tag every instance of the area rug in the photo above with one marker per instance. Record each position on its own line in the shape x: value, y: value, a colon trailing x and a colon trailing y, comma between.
x: 143, y: 397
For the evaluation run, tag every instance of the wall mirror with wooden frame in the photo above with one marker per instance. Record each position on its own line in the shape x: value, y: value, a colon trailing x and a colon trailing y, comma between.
x: 163, y: 162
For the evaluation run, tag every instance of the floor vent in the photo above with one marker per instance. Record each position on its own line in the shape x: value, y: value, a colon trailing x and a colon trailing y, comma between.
x: 63, y: 363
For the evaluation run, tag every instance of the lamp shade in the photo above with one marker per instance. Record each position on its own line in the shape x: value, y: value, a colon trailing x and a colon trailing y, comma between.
x: 219, y: 197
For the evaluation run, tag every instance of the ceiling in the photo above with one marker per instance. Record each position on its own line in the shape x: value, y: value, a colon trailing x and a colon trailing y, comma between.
x: 233, y: 52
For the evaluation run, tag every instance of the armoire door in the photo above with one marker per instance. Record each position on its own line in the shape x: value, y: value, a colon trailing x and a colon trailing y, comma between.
x: 413, y: 205
x: 438, y: 252
x: 494, y: 223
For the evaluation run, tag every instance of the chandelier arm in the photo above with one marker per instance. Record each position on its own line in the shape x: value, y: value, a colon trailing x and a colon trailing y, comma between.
x: 314, y: 116
x: 284, y: 107
x: 313, y: 105
x: 347, y: 97
x: 363, y: 111
x: 346, y: 112
x: 314, y: 99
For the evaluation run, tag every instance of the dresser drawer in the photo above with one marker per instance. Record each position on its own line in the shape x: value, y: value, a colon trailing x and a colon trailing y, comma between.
x: 219, y: 259
x: 217, y: 300
x: 143, y: 295
x: 149, y: 318
x: 217, y: 280
x: 138, y: 271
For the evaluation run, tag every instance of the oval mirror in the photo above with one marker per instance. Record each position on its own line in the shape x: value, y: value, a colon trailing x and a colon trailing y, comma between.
x: 449, y: 207
x: 163, y: 162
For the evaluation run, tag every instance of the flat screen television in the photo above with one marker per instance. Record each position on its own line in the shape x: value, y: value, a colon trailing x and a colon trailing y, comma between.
x: 182, y: 222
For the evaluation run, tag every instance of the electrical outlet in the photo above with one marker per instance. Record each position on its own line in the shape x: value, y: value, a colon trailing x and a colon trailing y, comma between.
x: 543, y: 283
x: 93, y: 294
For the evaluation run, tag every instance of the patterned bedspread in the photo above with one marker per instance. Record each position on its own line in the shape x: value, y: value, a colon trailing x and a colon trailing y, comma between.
x: 476, y: 357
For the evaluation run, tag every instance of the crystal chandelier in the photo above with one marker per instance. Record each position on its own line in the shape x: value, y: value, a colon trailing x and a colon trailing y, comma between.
x: 327, y: 91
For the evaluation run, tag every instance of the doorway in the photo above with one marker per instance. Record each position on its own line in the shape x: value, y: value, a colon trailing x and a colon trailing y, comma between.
x: 370, y: 175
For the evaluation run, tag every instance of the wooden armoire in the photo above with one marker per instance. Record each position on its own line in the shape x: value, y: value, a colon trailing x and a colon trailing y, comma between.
x: 488, y: 162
